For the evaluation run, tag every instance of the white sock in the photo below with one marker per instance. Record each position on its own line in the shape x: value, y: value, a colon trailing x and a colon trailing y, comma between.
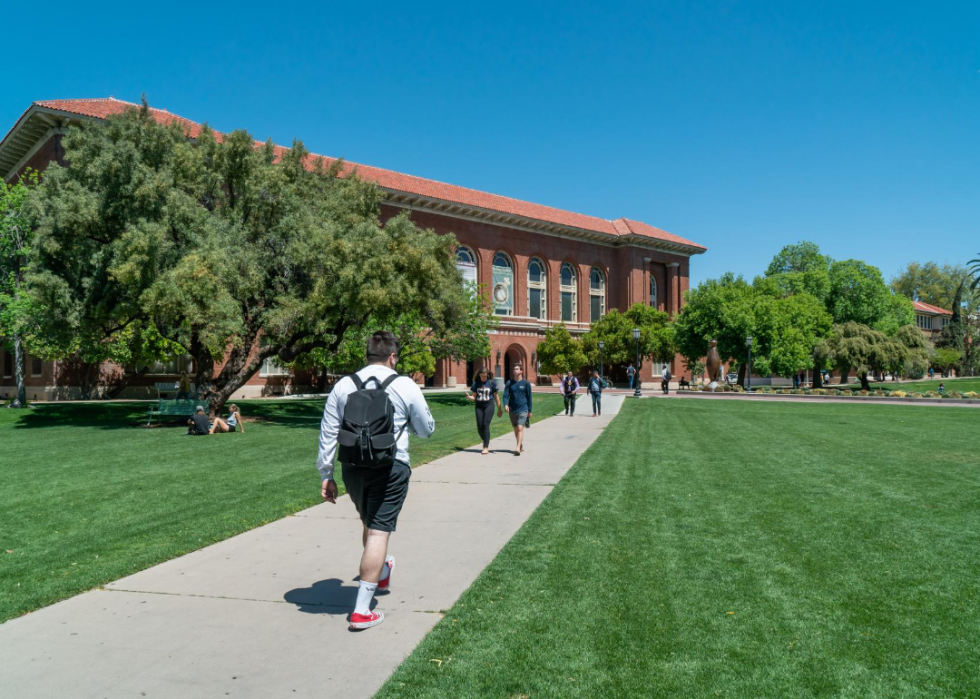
x: 385, y: 571
x: 365, y: 593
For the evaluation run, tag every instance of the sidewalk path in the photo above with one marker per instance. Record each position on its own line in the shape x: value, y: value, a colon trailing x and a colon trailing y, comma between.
x: 263, y: 615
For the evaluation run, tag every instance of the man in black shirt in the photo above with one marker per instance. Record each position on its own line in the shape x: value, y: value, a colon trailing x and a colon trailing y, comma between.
x: 199, y: 423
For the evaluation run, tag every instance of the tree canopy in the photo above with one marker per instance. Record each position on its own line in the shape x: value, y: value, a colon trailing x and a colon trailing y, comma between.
x: 938, y: 285
x: 615, y: 331
x: 231, y: 250
x: 560, y: 352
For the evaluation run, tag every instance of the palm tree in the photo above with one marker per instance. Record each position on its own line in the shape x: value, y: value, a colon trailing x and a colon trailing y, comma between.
x: 975, y: 271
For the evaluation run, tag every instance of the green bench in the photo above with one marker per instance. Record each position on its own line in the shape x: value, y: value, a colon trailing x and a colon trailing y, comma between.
x: 175, y: 408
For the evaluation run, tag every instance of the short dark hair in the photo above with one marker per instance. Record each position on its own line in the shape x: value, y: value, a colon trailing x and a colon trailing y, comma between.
x: 381, y: 345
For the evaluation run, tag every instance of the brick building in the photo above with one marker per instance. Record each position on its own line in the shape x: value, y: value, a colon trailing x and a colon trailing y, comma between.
x: 543, y: 265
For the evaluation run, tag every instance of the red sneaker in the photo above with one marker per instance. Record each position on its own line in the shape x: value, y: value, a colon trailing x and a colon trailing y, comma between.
x: 383, y: 584
x: 359, y: 622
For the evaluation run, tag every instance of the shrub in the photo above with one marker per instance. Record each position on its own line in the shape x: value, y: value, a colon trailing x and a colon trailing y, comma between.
x: 931, y: 394
x: 971, y: 394
x: 954, y: 394
x: 899, y: 394
x: 879, y: 392
x: 838, y: 392
x: 864, y: 393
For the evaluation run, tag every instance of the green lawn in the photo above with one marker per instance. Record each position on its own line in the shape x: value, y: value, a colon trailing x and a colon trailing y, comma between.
x: 961, y: 385
x: 734, y: 549
x: 87, y: 497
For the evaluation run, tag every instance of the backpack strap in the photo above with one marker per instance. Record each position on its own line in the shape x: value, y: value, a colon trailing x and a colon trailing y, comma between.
x: 387, y: 382
x: 358, y: 384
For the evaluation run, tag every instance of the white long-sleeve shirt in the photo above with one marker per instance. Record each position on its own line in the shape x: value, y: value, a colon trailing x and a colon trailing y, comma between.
x: 406, y: 398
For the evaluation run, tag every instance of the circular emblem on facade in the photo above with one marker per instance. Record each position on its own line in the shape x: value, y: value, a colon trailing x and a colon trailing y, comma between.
x: 501, y: 291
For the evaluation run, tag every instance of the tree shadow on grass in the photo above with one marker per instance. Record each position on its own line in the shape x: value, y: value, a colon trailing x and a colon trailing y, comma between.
x: 325, y: 597
x: 109, y: 416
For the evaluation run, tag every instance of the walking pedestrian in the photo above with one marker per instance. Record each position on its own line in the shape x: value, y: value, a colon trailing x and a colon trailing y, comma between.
x: 484, y: 393
x: 631, y: 373
x: 369, y: 415
x: 569, y: 389
x: 665, y: 380
x: 595, y: 390
x: 517, y: 403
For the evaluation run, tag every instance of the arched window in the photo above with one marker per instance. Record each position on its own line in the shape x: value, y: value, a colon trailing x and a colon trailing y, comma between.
x: 537, y: 289
x: 569, y: 293
x: 466, y: 264
x: 597, y: 293
x: 503, y: 285
x: 653, y: 291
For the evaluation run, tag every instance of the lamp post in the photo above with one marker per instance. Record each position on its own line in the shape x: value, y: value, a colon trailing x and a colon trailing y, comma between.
x: 748, y: 370
x: 601, y: 345
x: 636, y: 338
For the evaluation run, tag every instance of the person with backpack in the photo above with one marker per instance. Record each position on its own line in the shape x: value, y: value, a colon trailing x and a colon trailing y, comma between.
x: 517, y: 403
x: 484, y: 393
x: 665, y: 380
x: 595, y: 390
x: 569, y: 389
x: 367, y: 419
x: 631, y: 373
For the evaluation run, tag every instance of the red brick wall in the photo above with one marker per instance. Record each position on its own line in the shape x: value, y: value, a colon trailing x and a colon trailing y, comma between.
x: 627, y: 279
x: 51, y: 151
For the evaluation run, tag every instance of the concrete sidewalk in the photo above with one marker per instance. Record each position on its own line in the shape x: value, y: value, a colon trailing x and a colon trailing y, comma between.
x: 264, y: 614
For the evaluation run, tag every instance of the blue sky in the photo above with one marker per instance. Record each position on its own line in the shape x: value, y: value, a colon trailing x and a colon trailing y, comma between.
x: 742, y: 126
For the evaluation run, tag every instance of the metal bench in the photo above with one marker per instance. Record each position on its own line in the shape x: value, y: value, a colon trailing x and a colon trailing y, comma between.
x: 174, y: 408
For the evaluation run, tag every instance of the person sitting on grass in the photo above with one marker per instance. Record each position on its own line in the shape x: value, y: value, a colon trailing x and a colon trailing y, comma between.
x: 232, y: 424
x: 199, y: 423
x: 942, y: 387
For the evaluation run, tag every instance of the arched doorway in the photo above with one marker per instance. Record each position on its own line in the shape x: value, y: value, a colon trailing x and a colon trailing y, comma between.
x: 514, y: 355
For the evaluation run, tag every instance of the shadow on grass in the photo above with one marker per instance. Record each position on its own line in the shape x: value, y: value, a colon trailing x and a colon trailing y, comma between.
x: 302, y: 413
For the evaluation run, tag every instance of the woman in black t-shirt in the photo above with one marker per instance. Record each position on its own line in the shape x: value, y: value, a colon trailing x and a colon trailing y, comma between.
x: 484, y: 393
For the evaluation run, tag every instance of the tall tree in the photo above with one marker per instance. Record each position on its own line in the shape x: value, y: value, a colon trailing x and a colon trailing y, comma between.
x: 615, y: 330
x: 728, y: 310
x: 236, y: 251
x: 857, y: 293
x: 856, y: 346
x: 801, y: 268
x: 560, y: 352
x: 16, y: 242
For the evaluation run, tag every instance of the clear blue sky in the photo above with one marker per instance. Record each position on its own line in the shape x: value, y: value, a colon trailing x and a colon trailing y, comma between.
x: 742, y: 126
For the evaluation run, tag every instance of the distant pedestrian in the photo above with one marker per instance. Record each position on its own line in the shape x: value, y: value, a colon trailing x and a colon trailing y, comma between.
x: 371, y: 427
x: 484, y: 393
x: 932, y: 373
x: 631, y: 373
x: 517, y: 403
x: 569, y: 389
x: 796, y: 380
x: 665, y: 380
x: 183, y: 387
x: 942, y: 387
x: 595, y: 391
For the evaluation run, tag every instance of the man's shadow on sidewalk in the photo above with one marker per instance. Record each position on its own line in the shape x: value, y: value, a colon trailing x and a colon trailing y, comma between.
x: 325, y: 597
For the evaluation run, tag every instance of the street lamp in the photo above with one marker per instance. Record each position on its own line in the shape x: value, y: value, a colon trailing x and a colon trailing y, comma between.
x: 748, y: 373
x: 636, y: 337
x: 601, y: 345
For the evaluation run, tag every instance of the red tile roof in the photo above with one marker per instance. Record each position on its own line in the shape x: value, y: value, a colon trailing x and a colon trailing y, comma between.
x: 101, y: 108
x: 929, y: 308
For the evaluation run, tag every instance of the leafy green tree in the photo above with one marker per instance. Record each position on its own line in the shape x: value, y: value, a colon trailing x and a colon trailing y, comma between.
x: 728, y: 310
x: 798, y: 323
x: 856, y: 346
x: 615, y: 330
x: 560, y: 352
x: 946, y: 358
x: 16, y: 242
x: 857, y: 293
x: 801, y: 268
x: 235, y: 251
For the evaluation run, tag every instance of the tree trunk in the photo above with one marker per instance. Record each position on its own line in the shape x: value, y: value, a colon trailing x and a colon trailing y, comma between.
x: 817, y: 375
x: 844, y: 371
x: 19, y: 374
x: 742, y: 373
x: 865, y: 385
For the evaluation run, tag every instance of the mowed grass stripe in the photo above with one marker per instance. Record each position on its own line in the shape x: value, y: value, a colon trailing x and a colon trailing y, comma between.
x: 87, y: 497
x: 735, y: 549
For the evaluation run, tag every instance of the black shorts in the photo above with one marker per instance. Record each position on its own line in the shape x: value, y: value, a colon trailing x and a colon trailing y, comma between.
x: 378, y: 493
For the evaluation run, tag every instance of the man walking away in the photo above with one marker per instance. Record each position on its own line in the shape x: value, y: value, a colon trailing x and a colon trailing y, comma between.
x: 369, y: 414
x: 569, y: 389
x: 517, y: 401
x: 665, y: 380
x: 595, y: 390
x: 631, y: 373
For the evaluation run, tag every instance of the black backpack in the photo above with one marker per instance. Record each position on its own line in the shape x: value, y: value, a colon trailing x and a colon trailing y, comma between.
x: 667, y: 376
x: 367, y: 434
